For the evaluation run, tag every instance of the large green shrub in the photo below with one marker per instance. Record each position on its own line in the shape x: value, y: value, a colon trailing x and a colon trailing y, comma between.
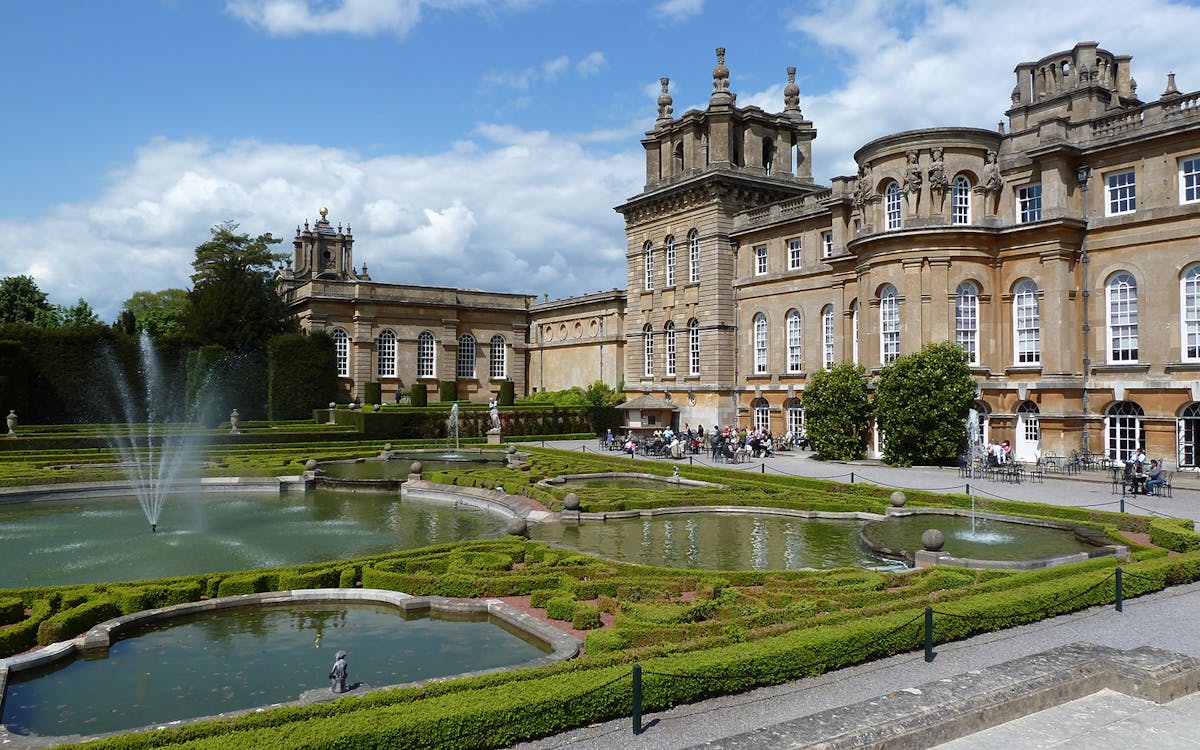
x: 419, y: 395
x: 921, y: 402
x: 204, y: 380
x: 447, y: 391
x: 507, y: 393
x: 372, y: 392
x: 837, y: 411
x: 301, y: 374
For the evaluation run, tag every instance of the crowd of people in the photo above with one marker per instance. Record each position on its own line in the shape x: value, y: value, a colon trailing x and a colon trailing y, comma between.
x: 723, y: 443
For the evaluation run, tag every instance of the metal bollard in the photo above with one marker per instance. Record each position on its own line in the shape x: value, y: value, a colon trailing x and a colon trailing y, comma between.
x: 764, y: 469
x: 690, y: 461
x: 929, y: 634
x: 852, y: 477
x: 968, y: 488
x: 1120, y: 591
x: 637, y: 698
x: 1122, y: 501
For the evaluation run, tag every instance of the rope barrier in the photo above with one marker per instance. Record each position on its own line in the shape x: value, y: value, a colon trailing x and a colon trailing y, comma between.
x: 1044, y: 611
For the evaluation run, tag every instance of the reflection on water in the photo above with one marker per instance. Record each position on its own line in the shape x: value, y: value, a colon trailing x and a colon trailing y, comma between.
x: 106, y: 539
x: 719, y: 541
x: 981, y: 540
x: 399, y: 467
x: 236, y: 659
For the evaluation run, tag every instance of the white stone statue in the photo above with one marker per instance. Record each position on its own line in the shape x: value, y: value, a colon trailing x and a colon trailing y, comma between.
x: 494, y: 410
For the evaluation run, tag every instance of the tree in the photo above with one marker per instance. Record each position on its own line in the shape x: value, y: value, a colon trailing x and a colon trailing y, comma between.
x: 234, y: 303
x: 837, y: 412
x: 21, y: 300
x: 921, y: 403
x: 157, y: 313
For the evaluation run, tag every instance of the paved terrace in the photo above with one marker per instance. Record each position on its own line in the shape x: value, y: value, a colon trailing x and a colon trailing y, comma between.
x: 1095, y: 672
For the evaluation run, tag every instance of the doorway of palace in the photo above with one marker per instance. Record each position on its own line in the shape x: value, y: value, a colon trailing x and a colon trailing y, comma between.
x: 1029, y: 433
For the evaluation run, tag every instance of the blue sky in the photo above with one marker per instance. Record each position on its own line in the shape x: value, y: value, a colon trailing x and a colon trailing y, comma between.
x: 477, y: 143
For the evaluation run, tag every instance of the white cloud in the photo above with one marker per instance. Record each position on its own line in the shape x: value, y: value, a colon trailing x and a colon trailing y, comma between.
x: 950, y: 64
x: 547, y: 71
x: 292, y: 17
x: 590, y: 65
x: 506, y: 211
x: 678, y: 10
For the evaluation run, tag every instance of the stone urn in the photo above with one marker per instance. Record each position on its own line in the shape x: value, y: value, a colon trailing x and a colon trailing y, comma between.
x: 12, y: 423
x: 234, y: 421
x: 933, y: 540
x: 898, y: 499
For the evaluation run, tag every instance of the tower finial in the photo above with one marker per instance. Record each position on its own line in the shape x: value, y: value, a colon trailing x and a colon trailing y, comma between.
x: 720, y: 93
x: 665, y: 109
x: 791, y: 93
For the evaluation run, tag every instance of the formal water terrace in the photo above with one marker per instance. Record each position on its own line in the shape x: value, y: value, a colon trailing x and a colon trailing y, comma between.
x: 103, y: 537
x: 626, y: 480
x: 397, y: 465
x: 234, y: 654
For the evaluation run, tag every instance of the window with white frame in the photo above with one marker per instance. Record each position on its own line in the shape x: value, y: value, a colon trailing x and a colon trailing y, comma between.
x: 669, y: 335
x: 760, y: 260
x: 648, y: 351
x: 341, y: 351
x: 889, y: 325
x: 960, y: 200
x: 1029, y: 203
x: 794, y: 335
x: 760, y: 344
x: 827, y: 337
x: 498, y: 358
x: 1189, y: 313
x: 1120, y: 193
x: 466, y: 357
x: 425, y: 354
x: 648, y: 260
x: 693, y: 347
x: 671, y: 261
x: 1122, y: 318
x: 795, y: 259
x: 826, y: 244
x: 854, y: 331
x: 794, y: 416
x: 966, y: 320
x: 891, y: 205
x: 1027, y: 323
x: 762, y: 415
x: 1124, y: 429
x: 1189, y: 179
x: 385, y: 354
x: 693, y: 256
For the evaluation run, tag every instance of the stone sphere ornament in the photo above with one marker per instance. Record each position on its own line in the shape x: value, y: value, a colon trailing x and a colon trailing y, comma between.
x: 898, y: 499
x: 571, y: 501
x: 310, y: 464
x: 933, y: 540
x: 415, y: 468
x: 517, y: 526
x: 511, y: 449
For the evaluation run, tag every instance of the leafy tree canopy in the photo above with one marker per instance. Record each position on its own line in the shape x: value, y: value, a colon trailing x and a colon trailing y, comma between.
x: 57, y: 316
x: 235, y: 303
x: 157, y: 313
x: 596, y: 394
x: 837, y: 412
x: 921, y: 403
x: 21, y: 300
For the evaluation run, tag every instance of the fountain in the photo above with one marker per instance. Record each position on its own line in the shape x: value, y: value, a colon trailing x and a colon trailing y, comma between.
x: 452, y: 428
x: 153, y: 472
x: 973, y: 438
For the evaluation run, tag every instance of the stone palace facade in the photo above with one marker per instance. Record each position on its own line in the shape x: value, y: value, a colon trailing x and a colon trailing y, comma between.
x: 1062, y: 251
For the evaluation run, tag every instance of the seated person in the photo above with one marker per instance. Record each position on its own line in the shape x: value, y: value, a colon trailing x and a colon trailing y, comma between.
x: 767, y: 449
x: 1154, y: 477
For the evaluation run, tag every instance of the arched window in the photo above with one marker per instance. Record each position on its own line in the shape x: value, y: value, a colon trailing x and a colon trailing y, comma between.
x: 498, y: 358
x: 1122, y: 318
x: 648, y: 252
x: 827, y: 353
x: 1027, y: 323
x: 889, y: 325
x: 794, y: 332
x: 693, y: 347
x: 341, y: 351
x: 671, y: 260
x: 760, y: 344
x: 1188, y: 429
x: 1124, y: 430
x: 466, y: 357
x: 762, y: 414
x: 385, y: 351
x: 1189, y: 313
x: 794, y: 416
x: 966, y: 320
x: 960, y: 200
x: 891, y: 205
x: 425, y: 349
x: 1029, y: 432
x: 693, y: 256
x: 854, y: 330
x: 669, y: 335
x: 648, y: 350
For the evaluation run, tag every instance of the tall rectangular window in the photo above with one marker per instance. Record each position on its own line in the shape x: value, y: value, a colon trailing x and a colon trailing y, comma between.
x: 794, y: 331
x: 827, y: 337
x: 694, y: 347
x: 826, y: 244
x: 760, y: 344
x: 1190, y: 302
x: 670, y: 336
x: 425, y: 355
x: 966, y: 321
x: 1029, y: 203
x: 693, y: 257
x: 648, y: 351
x: 1120, y: 193
x: 889, y: 326
x: 466, y: 357
x: 760, y: 260
x: 1122, y: 318
x: 891, y: 205
x: 1189, y: 180
x: 960, y: 195
x: 1028, y: 323
x: 794, y: 255
x: 497, y: 365
x: 386, y: 349
x: 649, y: 266
x: 670, y: 261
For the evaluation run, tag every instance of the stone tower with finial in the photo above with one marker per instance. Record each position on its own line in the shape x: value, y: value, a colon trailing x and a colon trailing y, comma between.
x: 323, y: 252
x: 701, y: 169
